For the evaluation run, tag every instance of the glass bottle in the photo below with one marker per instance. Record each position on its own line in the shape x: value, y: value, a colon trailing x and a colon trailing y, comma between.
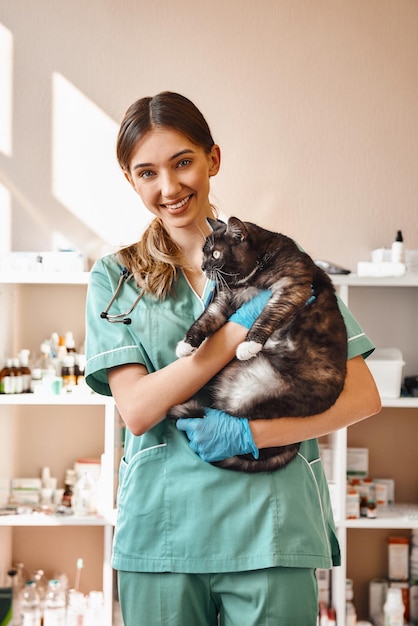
x: 67, y: 373
x: 55, y: 605
x: 5, y: 378
x: 30, y: 605
x: 67, y: 496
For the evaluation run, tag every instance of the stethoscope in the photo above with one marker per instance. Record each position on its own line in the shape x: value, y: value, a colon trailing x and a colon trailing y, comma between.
x: 122, y: 318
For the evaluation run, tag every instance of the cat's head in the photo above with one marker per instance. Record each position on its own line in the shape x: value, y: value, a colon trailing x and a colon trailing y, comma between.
x: 230, y: 254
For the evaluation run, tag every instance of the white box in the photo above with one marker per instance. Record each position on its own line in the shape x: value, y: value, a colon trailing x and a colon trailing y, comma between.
x: 386, y: 365
x: 357, y: 462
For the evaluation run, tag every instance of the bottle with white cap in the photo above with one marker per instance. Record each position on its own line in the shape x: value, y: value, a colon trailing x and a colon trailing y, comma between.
x: 350, y: 609
x: 394, y: 608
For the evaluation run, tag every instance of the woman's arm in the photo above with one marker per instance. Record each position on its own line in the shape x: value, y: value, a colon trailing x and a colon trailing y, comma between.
x: 143, y: 399
x: 358, y: 400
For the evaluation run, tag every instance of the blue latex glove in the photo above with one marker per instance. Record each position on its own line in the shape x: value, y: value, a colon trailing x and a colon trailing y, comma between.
x: 249, y: 311
x: 218, y: 436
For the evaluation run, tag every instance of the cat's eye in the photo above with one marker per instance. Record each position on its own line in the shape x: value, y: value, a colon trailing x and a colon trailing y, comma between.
x: 216, y: 254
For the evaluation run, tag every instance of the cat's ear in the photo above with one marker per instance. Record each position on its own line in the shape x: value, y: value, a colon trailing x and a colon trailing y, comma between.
x: 237, y: 229
x: 215, y: 224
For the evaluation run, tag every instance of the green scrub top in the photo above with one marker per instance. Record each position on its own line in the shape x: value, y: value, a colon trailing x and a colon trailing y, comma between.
x: 177, y: 513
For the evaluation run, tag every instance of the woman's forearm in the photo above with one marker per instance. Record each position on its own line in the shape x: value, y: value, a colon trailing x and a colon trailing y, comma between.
x: 143, y: 399
x: 358, y: 400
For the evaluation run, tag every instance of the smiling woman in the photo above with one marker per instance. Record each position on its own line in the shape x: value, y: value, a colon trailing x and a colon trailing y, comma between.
x: 191, y: 539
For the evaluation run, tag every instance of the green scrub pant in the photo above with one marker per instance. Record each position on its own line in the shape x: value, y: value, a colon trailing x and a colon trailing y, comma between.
x: 270, y: 597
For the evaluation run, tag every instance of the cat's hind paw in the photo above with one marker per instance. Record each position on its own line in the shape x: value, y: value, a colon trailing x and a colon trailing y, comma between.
x: 184, y: 349
x: 248, y: 349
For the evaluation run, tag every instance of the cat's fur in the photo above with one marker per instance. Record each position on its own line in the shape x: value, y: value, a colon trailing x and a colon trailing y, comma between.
x: 299, y: 342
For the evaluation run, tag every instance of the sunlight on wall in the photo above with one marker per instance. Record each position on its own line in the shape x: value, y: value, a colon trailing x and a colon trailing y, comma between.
x: 6, y: 61
x: 5, y: 220
x: 86, y: 178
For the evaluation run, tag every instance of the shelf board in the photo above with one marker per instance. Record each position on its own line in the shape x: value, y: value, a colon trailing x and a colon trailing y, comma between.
x: 41, y: 519
x: 352, y: 280
x: 402, y: 402
x: 45, y: 278
x: 31, y: 399
x: 398, y: 516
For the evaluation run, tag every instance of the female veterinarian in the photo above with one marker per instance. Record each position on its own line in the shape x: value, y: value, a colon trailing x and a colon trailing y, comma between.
x: 195, y: 543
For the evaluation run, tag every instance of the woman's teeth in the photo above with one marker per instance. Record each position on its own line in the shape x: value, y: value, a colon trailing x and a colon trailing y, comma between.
x: 178, y: 205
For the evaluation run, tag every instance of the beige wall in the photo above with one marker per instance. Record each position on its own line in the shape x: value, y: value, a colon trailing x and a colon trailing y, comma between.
x: 314, y: 104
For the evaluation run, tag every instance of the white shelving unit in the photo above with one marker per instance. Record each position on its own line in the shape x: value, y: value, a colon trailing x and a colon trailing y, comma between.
x: 387, y: 308
x: 30, y: 304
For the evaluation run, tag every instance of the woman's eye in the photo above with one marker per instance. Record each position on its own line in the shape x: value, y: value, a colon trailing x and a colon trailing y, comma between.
x: 216, y: 254
x: 146, y: 174
x: 184, y: 162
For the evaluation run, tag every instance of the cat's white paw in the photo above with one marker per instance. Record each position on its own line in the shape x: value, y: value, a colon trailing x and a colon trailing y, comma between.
x: 248, y: 349
x: 184, y: 349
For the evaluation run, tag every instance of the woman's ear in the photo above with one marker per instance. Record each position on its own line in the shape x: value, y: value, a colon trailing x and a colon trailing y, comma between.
x: 214, y: 160
x: 128, y: 176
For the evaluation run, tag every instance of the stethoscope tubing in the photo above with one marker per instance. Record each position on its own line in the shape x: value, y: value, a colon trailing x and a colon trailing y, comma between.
x: 121, y: 318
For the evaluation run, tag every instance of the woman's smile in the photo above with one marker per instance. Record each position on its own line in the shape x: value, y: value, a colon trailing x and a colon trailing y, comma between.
x: 178, y: 206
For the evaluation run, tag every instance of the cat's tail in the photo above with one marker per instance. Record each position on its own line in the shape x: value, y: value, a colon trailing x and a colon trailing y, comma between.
x: 192, y: 408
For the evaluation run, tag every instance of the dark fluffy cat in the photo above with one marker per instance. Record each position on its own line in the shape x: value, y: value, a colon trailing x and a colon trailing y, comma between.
x: 299, y: 342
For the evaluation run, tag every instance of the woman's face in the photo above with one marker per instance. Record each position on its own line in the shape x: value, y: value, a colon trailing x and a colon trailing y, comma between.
x: 171, y: 175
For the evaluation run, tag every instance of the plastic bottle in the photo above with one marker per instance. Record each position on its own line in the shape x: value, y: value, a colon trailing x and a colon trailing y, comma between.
x: 69, y: 342
x: 17, y: 372
x: 25, y: 370
x: 55, y: 605
x: 76, y: 608
x: 30, y: 605
x: 83, y: 494
x: 350, y: 609
x: 394, y: 608
x: 397, y: 248
x: 46, y: 363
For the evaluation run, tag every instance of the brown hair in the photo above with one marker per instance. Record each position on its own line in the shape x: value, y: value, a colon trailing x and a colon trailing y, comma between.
x: 155, y: 259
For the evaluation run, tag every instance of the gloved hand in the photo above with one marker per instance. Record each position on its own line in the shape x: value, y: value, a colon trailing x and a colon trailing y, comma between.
x: 218, y: 436
x: 249, y: 311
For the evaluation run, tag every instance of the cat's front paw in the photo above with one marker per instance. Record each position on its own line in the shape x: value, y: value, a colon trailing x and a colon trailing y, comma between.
x: 248, y: 349
x: 184, y: 349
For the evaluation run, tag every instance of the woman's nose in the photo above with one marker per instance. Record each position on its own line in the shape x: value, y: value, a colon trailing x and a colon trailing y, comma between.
x: 170, y: 185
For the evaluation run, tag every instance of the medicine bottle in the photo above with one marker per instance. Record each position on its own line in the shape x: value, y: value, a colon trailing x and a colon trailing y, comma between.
x: 397, y: 248
x: 67, y: 496
x: 30, y: 605
x: 69, y: 342
x: 17, y: 373
x: 14, y: 584
x: 45, y: 362
x: 350, y: 609
x: 25, y: 370
x: 67, y: 373
x: 5, y: 378
x: 55, y: 605
x: 394, y: 608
